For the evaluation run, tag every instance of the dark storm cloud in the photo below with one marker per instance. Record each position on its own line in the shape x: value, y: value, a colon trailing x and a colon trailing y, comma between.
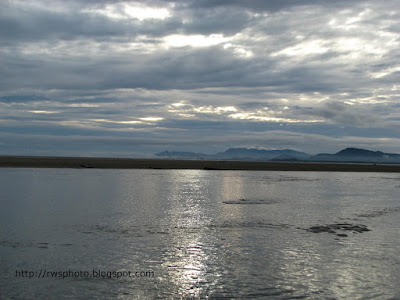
x: 19, y: 25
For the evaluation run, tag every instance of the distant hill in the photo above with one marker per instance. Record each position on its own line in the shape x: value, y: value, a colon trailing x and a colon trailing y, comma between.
x: 261, y: 154
x: 358, y: 155
x: 359, y: 152
x: 253, y: 154
x: 185, y: 155
x: 239, y: 154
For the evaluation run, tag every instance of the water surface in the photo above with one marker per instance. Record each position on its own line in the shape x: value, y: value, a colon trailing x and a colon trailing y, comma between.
x: 202, y: 234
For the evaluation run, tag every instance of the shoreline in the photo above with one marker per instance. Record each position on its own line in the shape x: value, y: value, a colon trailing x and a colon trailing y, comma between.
x: 138, y: 163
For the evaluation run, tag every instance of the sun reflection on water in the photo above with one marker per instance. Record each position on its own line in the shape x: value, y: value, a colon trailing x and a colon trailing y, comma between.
x: 192, y: 254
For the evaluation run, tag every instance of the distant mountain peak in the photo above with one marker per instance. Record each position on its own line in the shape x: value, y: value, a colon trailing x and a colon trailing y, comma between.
x: 359, y: 152
x: 256, y: 150
x: 256, y: 154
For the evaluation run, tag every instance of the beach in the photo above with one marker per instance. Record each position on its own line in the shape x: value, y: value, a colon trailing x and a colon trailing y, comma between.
x: 134, y: 163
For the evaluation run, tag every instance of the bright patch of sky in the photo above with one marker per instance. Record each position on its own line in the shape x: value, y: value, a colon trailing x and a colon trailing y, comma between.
x: 129, y: 10
x: 179, y: 40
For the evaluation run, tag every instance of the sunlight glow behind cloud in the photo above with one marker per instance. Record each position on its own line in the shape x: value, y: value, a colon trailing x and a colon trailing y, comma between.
x: 135, y: 10
x: 179, y: 40
x: 305, y: 48
x: 151, y: 119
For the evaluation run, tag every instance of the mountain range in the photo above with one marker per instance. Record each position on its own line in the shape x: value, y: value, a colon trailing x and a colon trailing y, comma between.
x: 252, y: 154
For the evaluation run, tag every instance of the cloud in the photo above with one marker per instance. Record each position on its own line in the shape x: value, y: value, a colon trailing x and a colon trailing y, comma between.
x: 238, y: 71
x: 64, y: 49
x: 270, y: 5
x: 344, y: 114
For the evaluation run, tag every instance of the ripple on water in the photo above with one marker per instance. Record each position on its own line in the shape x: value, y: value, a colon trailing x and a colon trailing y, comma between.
x: 251, y: 201
x: 25, y: 244
x: 249, y: 224
x: 377, y: 213
x: 123, y: 231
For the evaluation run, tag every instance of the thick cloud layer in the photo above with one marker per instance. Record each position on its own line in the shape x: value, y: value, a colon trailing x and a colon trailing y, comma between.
x: 125, y: 77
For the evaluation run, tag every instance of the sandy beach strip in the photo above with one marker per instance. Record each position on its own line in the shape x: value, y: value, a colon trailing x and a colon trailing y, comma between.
x: 133, y: 163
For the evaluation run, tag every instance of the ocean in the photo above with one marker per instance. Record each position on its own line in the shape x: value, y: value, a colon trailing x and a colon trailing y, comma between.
x: 201, y: 234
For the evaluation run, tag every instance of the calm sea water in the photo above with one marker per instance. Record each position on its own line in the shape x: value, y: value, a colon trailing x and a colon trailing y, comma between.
x: 198, y: 234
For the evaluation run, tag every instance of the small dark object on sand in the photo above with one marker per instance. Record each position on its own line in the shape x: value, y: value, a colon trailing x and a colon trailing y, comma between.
x: 84, y: 165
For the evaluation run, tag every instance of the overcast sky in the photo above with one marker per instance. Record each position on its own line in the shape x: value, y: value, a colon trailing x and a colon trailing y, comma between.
x: 124, y: 78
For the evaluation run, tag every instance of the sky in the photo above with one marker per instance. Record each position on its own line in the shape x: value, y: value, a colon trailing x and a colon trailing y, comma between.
x: 130, y: 79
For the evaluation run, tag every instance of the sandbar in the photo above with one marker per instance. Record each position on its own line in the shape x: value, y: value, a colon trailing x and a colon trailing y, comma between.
x: 138, y: 163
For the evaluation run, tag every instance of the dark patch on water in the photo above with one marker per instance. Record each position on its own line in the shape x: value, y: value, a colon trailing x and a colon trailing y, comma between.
x: 332, y: 228
x: 43, y: 245
x: 251, y: 201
